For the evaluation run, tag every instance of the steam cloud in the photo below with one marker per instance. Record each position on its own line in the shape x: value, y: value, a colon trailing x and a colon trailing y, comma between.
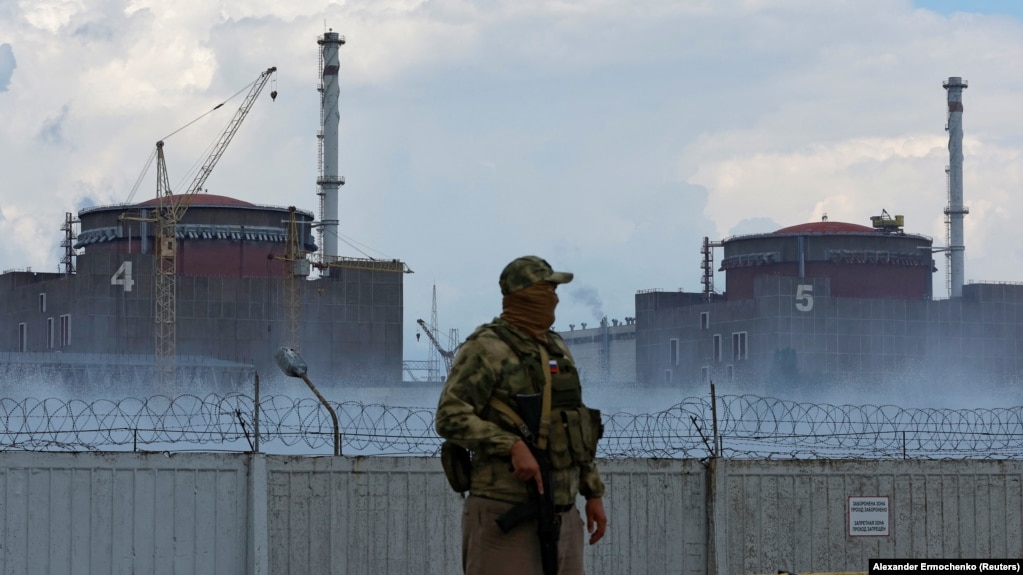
x: 591, y: 298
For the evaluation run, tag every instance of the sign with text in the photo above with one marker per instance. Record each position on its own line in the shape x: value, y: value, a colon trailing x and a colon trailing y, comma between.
x: 868, y: 516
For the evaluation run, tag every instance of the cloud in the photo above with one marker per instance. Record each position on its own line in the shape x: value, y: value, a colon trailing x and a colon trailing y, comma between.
x: 52, y: 131
x: 833, y: 174
x: 7, y: 66
x: 754, y: 226
x: 51, y: 15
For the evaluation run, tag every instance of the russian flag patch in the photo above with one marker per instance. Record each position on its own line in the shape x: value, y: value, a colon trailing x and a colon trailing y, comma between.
x: 554, y: 366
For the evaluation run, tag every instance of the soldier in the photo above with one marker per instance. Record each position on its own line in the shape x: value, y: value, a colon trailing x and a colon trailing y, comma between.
x: 502, y: 364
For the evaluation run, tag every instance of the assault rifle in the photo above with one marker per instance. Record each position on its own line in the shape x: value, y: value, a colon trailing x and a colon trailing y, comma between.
x: 539, y: 507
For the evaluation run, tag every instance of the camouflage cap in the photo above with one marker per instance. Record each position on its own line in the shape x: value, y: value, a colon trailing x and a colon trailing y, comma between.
x: 526, y: 271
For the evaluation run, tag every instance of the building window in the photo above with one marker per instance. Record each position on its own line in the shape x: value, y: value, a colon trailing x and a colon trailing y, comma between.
x: 65, y: 330
x: 705, y: 373
x: 22, y: 337
x: 49, y: 333
x: 717, y: 347
x: 667, y: 376
x: 730, y: 373
x: 672, y: 351
x: 739, y: 350
x: 42, y: 303
x: 704, y: 320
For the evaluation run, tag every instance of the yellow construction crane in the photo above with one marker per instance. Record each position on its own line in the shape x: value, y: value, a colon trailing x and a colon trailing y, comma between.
x: 296, y: 266
x: 169, y: 212
x: 364, y: 264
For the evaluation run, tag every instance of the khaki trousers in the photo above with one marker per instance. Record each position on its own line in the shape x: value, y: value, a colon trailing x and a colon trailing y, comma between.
x: 486, y: 550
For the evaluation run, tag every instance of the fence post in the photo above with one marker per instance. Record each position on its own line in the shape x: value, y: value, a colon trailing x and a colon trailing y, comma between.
x: 717, y: 513
x: 259, y: 516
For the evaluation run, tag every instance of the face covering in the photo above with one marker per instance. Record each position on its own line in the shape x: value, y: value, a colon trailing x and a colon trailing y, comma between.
x: 531, y: 309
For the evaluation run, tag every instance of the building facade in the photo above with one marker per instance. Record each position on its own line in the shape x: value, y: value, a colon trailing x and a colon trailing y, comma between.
x: 233, y: 299
x: 829, y: 305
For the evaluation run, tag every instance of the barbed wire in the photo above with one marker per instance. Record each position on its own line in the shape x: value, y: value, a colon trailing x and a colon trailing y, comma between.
x: 747, y: 426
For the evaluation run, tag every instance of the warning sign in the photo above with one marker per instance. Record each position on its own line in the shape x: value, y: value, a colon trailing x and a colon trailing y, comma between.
x: 868, y: 516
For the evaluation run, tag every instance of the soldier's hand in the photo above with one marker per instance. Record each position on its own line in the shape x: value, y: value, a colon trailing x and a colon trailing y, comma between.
x: 596, y: 519
x: 524, y: 465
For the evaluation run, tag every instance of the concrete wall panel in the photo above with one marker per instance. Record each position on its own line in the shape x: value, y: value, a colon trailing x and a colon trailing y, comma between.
x: 793, y: 515
x: 362, y: 515
x: 122, y: 513
x: 239, y: 513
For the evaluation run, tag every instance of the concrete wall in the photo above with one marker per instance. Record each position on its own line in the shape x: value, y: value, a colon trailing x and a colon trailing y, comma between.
x: 242, y: 513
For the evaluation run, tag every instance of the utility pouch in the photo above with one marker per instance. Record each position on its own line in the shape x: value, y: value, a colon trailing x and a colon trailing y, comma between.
x: 579, y: 429
x: 457, y: 466
x: 593, y: 431
x: 559, y: 449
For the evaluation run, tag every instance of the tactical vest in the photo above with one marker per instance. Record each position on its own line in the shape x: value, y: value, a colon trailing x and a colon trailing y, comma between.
x: 574, y: 428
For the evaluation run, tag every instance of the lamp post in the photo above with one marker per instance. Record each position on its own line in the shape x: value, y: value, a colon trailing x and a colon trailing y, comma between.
x: 292, y: 364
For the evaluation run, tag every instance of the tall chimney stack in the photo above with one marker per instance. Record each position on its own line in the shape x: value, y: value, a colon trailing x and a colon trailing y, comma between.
x: 328, y: 180
x: 955, y: 211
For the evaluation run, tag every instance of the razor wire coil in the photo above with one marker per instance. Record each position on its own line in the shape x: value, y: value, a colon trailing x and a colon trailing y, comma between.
x: 748, y: 427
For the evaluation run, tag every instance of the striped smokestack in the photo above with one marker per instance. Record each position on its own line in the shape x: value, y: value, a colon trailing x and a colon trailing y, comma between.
x: 329, y: 181
x: 955, y: 211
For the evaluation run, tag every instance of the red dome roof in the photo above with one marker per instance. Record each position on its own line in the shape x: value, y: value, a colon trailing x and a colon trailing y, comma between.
x: 206, y: 200
x: 824, y: 228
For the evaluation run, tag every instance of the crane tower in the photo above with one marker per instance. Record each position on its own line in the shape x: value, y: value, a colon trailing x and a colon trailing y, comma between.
x: 169, y: 212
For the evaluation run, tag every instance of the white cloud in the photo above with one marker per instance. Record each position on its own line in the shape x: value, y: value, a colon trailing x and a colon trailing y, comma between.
x: 846, y: 179
x: 50, y: 15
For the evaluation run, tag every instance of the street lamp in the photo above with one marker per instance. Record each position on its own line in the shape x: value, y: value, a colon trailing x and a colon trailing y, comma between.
x: 292, y: 364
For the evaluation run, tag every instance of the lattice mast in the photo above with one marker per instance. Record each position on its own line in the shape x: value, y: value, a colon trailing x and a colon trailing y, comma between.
x: 68, y: 243
x: 434, y: 334
x: 166, y: 270
x: 328, y: 180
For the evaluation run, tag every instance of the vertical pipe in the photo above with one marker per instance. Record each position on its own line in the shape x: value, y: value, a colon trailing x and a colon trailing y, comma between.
x: 328, y: 180
x: 955, y: 210
x: 606, y: 349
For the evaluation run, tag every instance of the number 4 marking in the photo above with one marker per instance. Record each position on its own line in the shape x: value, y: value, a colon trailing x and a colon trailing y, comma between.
x: 122, y: 277
x: 804, y: 297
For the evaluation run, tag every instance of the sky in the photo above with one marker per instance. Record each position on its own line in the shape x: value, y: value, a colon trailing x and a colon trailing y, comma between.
x: 607, y: 136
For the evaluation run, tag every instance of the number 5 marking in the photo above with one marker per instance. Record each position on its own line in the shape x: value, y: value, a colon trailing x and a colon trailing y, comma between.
x: 804, y: 297
x: 122, y: 277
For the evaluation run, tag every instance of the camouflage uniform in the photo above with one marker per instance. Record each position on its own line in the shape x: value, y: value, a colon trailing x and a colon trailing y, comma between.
x: 499, y: 361
x: 486, y: 366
